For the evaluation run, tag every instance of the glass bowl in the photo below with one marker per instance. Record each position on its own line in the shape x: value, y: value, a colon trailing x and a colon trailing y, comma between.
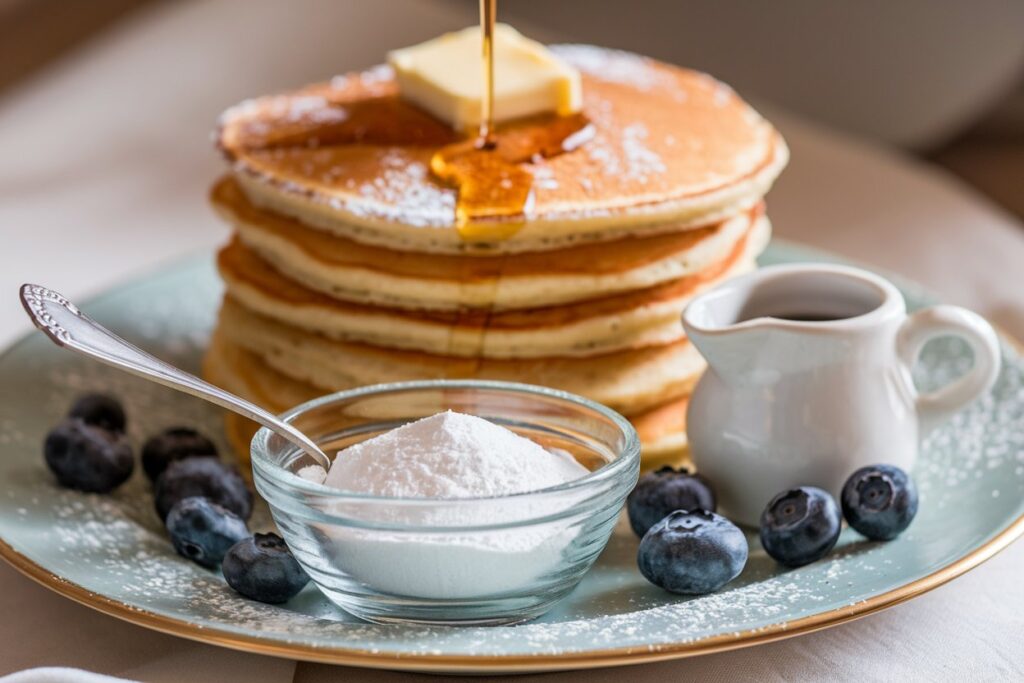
x: 489, y: 560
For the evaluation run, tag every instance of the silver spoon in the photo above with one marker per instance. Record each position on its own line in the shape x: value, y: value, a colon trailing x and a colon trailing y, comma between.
x: 68, y: 327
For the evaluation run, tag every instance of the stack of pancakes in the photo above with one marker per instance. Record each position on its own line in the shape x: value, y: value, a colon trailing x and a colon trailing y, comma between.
x: 347, y: 267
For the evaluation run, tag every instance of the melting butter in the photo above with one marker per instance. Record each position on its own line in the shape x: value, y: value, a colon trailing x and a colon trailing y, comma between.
x: 443, y: 76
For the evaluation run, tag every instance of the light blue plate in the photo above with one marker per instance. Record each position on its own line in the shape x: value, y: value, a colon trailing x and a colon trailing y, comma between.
x: 111, y: 553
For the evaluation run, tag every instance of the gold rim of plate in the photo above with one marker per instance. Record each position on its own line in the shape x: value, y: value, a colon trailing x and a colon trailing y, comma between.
x: 519, y: 663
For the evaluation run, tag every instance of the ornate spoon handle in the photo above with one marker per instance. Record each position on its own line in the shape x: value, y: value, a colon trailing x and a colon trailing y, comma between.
x: 70, y: 328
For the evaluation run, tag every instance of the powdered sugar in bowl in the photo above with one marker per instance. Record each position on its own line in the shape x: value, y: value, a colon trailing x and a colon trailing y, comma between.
x: 492, y: 559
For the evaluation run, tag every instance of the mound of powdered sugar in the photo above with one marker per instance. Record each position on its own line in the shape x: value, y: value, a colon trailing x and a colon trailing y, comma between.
x: 450, y: 455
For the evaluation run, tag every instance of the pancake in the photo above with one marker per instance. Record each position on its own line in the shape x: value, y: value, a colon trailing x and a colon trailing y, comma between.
x: 360, y: 273
x: 662, y: 432
x: 661, y: 429
x: 672, y: 149
x: 625, y: 321
x: 630, y: 382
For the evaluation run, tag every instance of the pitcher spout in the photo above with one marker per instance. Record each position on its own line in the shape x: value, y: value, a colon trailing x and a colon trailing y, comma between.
x: 713, y: 325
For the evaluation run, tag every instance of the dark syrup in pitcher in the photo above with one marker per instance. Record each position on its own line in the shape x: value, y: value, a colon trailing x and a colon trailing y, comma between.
x: 808, y: 317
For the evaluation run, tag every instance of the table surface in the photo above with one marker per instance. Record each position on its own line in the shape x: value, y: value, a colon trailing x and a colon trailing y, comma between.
x: 105, y: 166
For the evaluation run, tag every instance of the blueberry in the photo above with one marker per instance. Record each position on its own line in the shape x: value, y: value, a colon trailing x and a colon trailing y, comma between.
x: 86, y: 457
x: 800, y: 526
x: 263, y: 568
x: 692, y: 552
x: 203, y: 531
x: 99, y: 410
x: 879, y: 501
x: 667, y: 490
x: 176, y: 443
x: 206, y: 477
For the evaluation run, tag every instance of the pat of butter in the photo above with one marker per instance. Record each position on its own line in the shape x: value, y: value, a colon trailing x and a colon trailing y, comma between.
x: 445, y: 77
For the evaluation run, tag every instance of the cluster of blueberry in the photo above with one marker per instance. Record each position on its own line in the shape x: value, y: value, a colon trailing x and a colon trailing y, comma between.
x: 687, y: 548
x: 202, y: 502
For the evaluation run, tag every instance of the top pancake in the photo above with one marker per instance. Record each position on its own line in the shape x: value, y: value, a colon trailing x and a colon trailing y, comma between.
x: 672, y: 149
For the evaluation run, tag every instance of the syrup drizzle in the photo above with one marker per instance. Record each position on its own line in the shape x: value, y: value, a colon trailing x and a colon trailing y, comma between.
x: 488, y: 14
x: 491, y: 180
x: 495, y: 192
x: 379, y: 121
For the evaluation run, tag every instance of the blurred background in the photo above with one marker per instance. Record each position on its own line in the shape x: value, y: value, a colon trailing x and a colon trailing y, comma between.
x: 905, y: 119
x: 943, y: 79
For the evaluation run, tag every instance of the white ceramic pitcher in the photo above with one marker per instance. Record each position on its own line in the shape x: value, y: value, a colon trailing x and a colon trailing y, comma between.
x: 809, y: 378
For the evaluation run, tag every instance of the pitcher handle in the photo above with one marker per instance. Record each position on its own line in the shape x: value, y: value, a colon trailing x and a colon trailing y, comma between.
x: 937, y: 321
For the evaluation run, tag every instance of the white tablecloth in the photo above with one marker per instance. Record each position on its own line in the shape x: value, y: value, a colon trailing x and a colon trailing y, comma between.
x: 104, y: 165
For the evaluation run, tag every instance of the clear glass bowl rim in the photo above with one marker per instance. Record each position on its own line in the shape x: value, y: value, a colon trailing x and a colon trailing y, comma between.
x: 625, y: 458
